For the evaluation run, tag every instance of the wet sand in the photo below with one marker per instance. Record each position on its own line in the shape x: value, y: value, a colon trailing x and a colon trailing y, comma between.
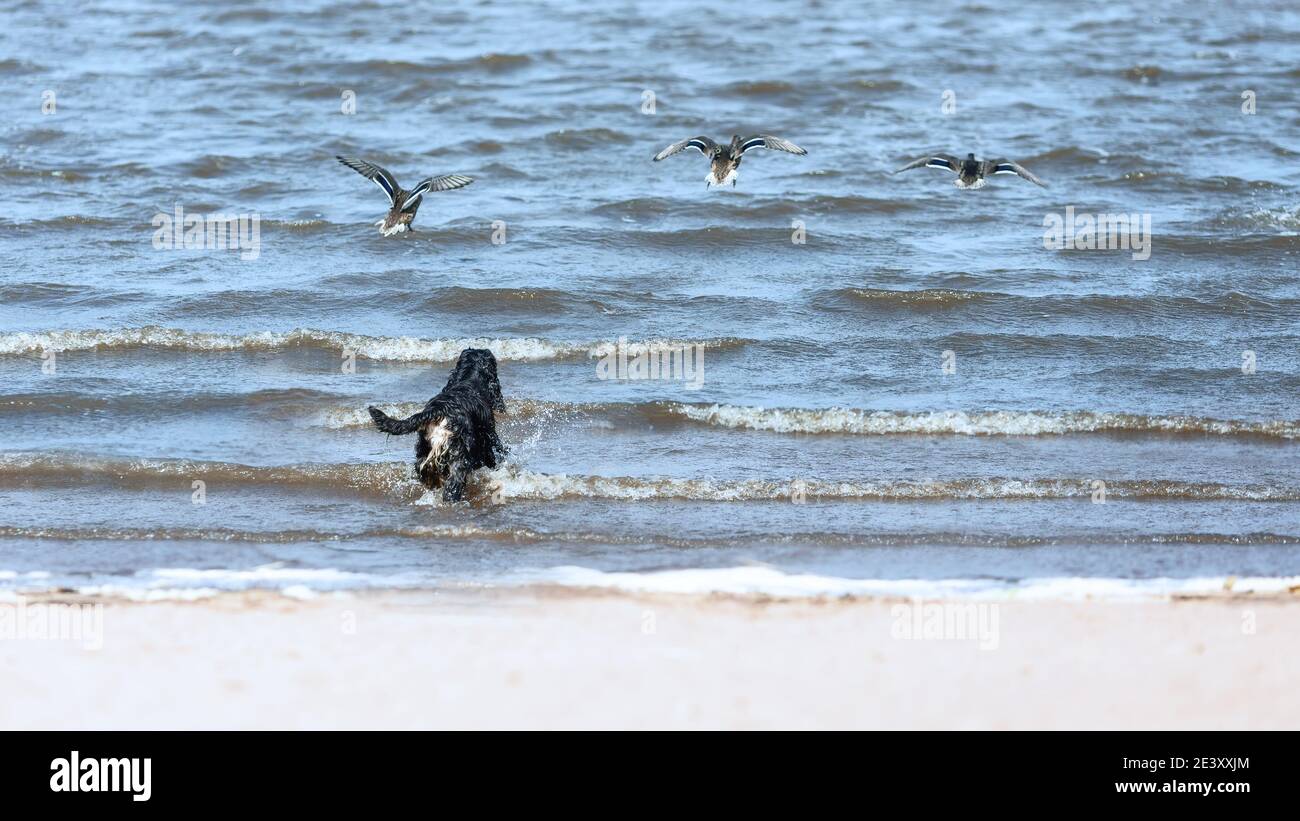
x: 560, y: 658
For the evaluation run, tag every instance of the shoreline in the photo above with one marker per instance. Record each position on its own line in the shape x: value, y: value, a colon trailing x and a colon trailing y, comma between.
x: 753, y: 581
x: 558, y: 657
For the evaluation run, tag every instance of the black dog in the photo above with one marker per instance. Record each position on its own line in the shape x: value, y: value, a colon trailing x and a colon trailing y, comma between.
x: 458, y: 432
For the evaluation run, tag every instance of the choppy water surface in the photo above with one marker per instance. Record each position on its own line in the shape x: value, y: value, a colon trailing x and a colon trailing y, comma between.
x: 127, y: 373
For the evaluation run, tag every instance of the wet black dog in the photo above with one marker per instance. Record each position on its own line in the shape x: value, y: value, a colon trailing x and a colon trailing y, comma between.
x: 458, y: 432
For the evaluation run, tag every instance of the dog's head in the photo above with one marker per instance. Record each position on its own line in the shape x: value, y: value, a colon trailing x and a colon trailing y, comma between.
x: 479, y: 367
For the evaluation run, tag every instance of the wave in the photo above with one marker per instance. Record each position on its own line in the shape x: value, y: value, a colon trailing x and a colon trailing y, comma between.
x: 396, y: 349
x: 770, y: 581
x: 1075, y: 154
x: 763, y: 88
x: 1284, y: 220
x: 22, y: 173
x: 54, y: 293
x: 724, y: 238
x: 882, y: 87
x: 1144, y: 73
x: 1149, y: 177
x: 639, y: 208
x: 11, y: 66
x: 514, y: 483
x: 759, y: 213
x: 70, y: 222
x: 490, y: 63
x: 1216, y: 306
x: 290, y: 536
x: 330, y: 411
x: 342, y: 417
x: 525, y: 535
x: 480, y: 146
x: 300, y: 226
x: 1102, y: 306
x: 586, y: 138
x: 1266, y: 246
x: 518, y: 411
x: 832, y: 204
x: 937, y: 297
x: 283, y: 402
x: 42, y: 136
x: 976, y: 423
x: 210, y: 166
x: 479, y: 301
x: 167, y: 534
x: 188, y: 584
x: 367, y: 477
x: 331, y: 301
x: 860, y: 422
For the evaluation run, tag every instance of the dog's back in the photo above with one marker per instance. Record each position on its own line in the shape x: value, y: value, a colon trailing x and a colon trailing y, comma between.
x: 457, y: 428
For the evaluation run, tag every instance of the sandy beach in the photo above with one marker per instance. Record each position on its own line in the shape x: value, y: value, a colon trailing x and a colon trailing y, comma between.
x: 548, y: 657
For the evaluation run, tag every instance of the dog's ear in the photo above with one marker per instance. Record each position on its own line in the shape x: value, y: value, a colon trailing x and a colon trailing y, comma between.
x: 498, y: 401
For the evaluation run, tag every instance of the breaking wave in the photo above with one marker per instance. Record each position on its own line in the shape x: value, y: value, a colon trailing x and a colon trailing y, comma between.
x: 860, y: 422
x: 977, y: 423
x: 518, y: 484
x: 397, y: 349
x: 527, y: 535
x: 513, y: 483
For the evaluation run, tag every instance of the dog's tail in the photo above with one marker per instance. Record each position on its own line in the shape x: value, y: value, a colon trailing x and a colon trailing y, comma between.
x: 397, y: 427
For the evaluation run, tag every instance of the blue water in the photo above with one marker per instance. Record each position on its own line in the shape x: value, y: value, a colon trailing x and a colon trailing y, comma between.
x: 899, y: 380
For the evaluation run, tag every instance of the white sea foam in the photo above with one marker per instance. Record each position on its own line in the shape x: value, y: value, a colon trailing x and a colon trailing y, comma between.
x: 770, y: 581
x: 396, y: 349
x: 147, y: 594
x: 1285, y: 220
x: 979, y: 423
x: 512, y: 482
x: 872, y: 423
x: 188, y: 584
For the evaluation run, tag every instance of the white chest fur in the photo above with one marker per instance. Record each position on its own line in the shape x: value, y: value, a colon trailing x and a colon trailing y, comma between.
x: 439, y: 438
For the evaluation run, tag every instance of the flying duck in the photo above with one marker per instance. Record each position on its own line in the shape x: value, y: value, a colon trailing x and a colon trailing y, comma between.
x: 971, y: 173
x: 725, y: 159
x: 403, y: 203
